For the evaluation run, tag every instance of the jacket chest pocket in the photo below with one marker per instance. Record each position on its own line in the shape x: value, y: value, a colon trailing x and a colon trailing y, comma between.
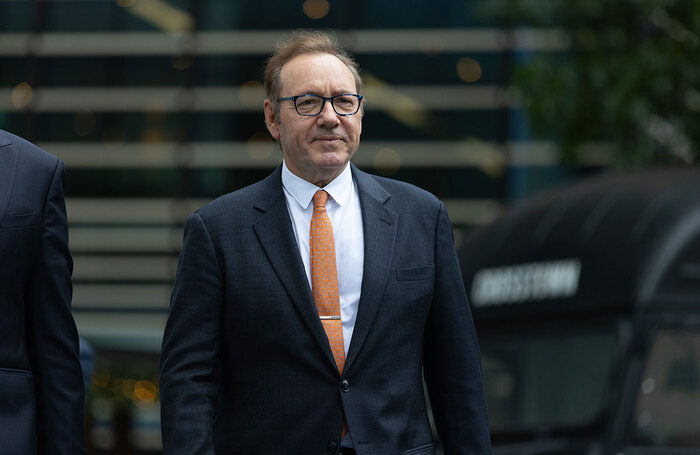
x: 18, y: 220
x: 412, y: 288
x: 427, y: 449
x: 415, y: 273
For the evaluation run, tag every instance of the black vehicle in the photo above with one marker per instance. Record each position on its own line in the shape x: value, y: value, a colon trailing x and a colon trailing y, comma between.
x: 587, y: 305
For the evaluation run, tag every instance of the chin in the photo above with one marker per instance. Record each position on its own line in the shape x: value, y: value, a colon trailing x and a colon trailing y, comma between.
x: 332, y: 160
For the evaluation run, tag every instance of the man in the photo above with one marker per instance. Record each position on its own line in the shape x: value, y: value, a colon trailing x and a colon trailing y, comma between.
x: 307, y: 306
x: 41, y: 385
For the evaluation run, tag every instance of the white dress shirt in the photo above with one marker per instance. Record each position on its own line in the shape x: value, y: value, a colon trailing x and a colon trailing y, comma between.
x: 343, y: 209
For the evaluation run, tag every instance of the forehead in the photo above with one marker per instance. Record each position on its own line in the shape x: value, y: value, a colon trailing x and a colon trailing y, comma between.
x: 316, y: 73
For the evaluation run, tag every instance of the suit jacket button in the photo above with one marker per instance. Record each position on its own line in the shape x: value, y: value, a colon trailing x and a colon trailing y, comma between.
x: 345, y: 385
x: 332, y: 447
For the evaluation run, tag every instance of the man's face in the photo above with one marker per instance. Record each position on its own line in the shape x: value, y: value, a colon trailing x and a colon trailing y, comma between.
x: 317, y: 148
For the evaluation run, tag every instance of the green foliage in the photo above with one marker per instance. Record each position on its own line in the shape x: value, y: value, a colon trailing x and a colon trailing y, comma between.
x: 629, y: 75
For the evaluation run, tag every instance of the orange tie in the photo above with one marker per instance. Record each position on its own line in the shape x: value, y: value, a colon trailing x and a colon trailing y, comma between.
x: 324, y: 281
x: 324, y: 277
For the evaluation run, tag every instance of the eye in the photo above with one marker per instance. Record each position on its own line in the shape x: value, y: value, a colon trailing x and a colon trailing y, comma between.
x: 307, y: 101
x: 345, y: 101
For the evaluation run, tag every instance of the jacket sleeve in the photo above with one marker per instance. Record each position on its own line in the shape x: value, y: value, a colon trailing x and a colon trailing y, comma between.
x: 53, y: 338
x: 452, y: 364
x: 190, y: 365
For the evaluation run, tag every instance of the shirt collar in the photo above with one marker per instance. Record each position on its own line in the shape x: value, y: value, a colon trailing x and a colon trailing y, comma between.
x: 303, y: 192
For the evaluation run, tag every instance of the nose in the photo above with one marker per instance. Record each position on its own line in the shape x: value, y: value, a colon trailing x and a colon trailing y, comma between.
x: 327, y: 117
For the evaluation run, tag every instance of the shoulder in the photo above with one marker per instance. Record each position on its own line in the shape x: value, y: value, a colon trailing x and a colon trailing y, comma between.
x: 407, y: 190
x: 401, y: 195
x: 28, y: 153
x: 241, y: 203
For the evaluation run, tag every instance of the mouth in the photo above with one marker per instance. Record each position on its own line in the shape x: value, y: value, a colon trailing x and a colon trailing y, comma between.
x: 329, y: 139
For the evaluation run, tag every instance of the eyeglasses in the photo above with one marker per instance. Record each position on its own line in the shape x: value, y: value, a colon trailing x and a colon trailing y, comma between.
x: 310, y: 105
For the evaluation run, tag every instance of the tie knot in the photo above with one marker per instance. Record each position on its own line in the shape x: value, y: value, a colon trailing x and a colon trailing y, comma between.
x: 320, y: 198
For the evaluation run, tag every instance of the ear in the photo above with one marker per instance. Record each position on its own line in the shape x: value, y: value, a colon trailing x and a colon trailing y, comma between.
x: 271, y: 120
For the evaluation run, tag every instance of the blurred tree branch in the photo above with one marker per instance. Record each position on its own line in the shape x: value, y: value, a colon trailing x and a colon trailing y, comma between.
x: 630, y: 76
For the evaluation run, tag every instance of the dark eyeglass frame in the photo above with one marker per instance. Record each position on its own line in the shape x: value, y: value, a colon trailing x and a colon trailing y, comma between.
x: 323, y: 104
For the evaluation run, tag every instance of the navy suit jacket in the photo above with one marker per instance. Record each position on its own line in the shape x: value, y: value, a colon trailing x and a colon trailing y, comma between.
x: 41, y: 386
x: 246, y: 367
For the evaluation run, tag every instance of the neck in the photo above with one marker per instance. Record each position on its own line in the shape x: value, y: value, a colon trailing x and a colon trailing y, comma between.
x: 320, y: 178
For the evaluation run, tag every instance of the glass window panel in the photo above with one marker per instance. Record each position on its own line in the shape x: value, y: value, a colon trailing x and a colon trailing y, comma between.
x: 14, y: 70
x: 422, y: 68
x: 668, y: 404
x: 80, y: 15
x: 73, y: 16
x: 17, y: 16
x: 98, y: 126
x: 547, y: 377
x: 432, y: 125
x: 113, y: 71
x: 273, y: 14
x: 402, y: 14
x: 123, y: 403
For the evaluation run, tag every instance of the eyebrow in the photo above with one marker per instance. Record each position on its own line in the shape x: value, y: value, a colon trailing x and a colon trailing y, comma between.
x: 324, y: 96
x: 317, y: 92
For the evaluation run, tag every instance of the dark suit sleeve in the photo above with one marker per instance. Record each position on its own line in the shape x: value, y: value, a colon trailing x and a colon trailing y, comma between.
x: 52, y: 333
x: 452, y: 364
x: 190, y: 366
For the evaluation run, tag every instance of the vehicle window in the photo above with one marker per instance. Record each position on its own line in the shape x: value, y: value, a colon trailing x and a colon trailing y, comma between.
x: 547, y: 377
x: 668, y: 404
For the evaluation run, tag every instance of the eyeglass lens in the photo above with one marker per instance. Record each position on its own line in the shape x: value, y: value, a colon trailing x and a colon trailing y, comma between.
x: 313, y: 104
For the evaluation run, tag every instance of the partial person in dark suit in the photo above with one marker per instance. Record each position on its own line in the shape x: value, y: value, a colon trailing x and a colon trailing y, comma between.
x: 308, y: 306
x: 41, y: 385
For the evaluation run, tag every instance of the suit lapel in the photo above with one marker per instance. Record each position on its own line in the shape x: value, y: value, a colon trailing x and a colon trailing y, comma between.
x: 8, y: 165
x: 379, y: 226
x: 276, y: 235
